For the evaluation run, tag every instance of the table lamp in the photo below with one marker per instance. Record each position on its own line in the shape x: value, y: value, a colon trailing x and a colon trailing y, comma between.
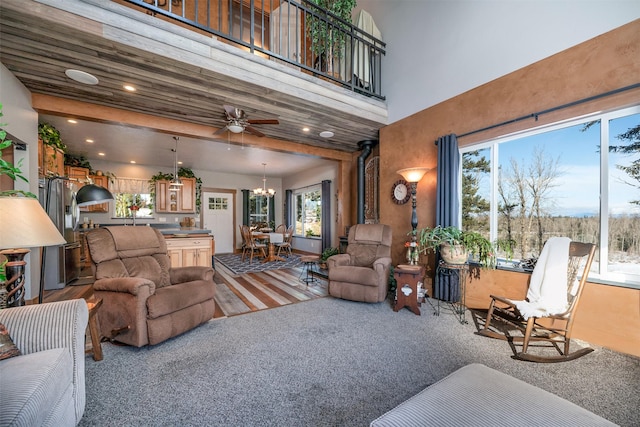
x: 23, y: 224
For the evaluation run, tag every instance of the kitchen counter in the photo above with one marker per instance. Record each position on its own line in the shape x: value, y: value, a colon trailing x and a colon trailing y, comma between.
x: 183, y: 232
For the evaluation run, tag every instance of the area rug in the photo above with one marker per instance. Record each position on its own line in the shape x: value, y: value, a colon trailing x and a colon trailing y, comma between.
x: 234, y: 263
x: 245, y: 293
x: 326, y: 362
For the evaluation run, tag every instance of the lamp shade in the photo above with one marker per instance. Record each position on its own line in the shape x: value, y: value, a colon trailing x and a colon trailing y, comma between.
x: 25, y: 224
x: 413, y: 174
x: 91, y: 194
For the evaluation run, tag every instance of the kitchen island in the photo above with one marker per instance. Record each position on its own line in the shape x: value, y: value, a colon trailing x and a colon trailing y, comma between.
x: 188, y: 246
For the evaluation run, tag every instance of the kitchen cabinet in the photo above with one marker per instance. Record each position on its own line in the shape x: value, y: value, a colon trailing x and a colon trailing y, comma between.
x: 50, y: 160
x: 182, y: 201
x: 189, y: 251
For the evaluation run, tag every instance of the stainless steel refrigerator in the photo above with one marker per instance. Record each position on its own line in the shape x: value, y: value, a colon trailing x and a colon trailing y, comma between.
x: 61, y: 264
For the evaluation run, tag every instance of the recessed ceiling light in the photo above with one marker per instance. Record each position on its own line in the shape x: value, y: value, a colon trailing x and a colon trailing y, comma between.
x: 326, y: 134
x: 90, y: 141
x: 179, y: 163
x: 100, y: 154
x: 82, y: 77
x: 305, y: 129
x: 129, y: 88
x: 72, y: 121
x: 133, y: 162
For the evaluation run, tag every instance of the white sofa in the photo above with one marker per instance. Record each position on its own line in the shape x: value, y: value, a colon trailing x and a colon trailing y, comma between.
x: 476, y: 395
x: 45, y: 386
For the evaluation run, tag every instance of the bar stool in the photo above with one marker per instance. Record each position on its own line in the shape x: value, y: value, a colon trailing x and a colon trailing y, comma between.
x: 309, y: 266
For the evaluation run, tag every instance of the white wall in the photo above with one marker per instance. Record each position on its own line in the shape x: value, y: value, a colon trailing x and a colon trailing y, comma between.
x: 437, y: 49
x: 22, y: 122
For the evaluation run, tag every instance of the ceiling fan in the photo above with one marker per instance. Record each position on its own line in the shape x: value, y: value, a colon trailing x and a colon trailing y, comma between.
x: 237, y: 122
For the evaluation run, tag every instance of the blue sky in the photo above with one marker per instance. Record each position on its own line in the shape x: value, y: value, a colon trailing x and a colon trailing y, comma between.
x: 579, y: 166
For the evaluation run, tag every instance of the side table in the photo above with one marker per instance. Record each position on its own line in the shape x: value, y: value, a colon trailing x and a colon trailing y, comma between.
x: 407, y: 278
x: 455, y: 296
x: 94, y: 329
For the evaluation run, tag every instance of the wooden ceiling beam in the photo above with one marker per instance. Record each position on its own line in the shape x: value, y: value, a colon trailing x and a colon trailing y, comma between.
x: 46, y: 104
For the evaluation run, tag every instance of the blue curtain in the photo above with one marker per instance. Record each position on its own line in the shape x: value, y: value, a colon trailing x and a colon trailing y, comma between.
x: 288, y: 203
x: 448, y: 184
x: 326, y: 214
x: 245, y: 207
x: 447, y: 284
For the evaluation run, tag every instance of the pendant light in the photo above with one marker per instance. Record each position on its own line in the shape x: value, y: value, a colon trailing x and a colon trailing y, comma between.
x: 263, y: 191
x: 175, y: 183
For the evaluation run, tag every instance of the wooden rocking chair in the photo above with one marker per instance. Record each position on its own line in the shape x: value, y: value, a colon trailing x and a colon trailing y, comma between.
x: 554, y: 329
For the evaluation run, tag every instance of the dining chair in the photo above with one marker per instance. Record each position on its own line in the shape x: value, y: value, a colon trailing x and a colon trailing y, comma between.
x: 286, y: 244
x: 251, y: 246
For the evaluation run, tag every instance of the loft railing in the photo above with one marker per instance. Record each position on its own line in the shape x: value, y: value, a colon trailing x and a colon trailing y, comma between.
x: 300, y: 34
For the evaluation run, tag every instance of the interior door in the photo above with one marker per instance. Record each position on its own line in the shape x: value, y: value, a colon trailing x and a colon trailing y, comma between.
x: 218, y: 212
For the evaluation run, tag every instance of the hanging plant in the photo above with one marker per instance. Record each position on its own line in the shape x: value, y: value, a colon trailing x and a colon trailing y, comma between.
x: 51, y: 136
x: 78, y: 162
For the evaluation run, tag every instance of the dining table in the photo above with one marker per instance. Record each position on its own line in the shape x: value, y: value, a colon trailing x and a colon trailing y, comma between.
x: 272, y: 239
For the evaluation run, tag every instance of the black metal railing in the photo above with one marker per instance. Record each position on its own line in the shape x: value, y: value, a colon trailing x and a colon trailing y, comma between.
x: 300, y: 34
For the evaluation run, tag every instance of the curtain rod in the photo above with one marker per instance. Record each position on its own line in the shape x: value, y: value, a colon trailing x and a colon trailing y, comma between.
x: 550, y: 110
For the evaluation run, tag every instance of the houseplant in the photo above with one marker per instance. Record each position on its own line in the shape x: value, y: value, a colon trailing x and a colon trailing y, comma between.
x: 327, y: 43
x: 324, y: 256
x: 51, y: 136
x: 455, y: 245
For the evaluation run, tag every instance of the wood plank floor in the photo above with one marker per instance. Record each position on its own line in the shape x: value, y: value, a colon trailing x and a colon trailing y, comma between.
x: 236, y: 293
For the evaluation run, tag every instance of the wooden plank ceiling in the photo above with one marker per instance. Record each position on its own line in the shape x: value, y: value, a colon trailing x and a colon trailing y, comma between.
x: 39, y: 42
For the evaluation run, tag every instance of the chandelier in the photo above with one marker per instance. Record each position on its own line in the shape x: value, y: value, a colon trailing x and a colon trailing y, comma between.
x: 263, y: 191
x: 175, y: 183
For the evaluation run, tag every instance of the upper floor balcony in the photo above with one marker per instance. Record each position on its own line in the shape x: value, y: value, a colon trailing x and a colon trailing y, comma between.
x: 275, y: 59
x: 297, y: 33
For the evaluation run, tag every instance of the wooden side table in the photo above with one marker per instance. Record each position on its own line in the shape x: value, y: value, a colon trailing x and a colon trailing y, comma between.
x: 94, y: 328
x: 407, y: 278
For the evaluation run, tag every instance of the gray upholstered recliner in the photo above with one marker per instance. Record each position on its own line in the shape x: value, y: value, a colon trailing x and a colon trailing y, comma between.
x: 362, y: 274
x: 141, y: 292
x: 45, y: 386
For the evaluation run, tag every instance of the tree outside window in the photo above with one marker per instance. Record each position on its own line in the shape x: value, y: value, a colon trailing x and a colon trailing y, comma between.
x: 308, y: 213
x: 556, y: 181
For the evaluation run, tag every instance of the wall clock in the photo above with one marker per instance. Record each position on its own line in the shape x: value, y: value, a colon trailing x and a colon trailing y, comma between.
x: 400, y: 192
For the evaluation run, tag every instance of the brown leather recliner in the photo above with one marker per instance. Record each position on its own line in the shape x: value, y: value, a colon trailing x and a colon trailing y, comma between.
x: 362, y: 274
x: 139, y: 289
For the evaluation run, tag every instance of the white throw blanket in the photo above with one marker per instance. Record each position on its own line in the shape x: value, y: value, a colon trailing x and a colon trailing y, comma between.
x: 547, y: 292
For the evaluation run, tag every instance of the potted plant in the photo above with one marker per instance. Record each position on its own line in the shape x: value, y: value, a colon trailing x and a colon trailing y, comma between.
x: 324, y: 256
x: 327, y: 43
x: 455, y: 245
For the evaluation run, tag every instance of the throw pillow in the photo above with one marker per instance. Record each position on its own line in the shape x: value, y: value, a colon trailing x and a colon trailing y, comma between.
x: 7, y: 347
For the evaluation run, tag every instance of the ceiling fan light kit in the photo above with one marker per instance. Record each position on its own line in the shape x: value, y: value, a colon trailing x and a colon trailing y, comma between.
x: 237, y: 122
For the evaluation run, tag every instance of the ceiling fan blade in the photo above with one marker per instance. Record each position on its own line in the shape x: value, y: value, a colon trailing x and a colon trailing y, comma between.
x: 253, y: 130
x: 221, y: 130
x: 264, y: 122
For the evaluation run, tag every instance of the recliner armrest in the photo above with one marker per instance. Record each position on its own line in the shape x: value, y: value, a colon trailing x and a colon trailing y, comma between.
x: 381, y: 263
x: 132, y: 285
x: 189, y: 274
x: 338, y: 260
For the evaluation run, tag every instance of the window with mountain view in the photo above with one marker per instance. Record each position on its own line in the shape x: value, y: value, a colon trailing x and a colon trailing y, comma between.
x: 558, y: 181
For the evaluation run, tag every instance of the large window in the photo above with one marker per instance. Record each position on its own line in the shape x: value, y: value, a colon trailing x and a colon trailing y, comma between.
x: 579, y: 179
x: 308, y: 212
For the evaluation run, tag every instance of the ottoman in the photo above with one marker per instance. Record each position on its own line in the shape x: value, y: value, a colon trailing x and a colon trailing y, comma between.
x: 476, y: 395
